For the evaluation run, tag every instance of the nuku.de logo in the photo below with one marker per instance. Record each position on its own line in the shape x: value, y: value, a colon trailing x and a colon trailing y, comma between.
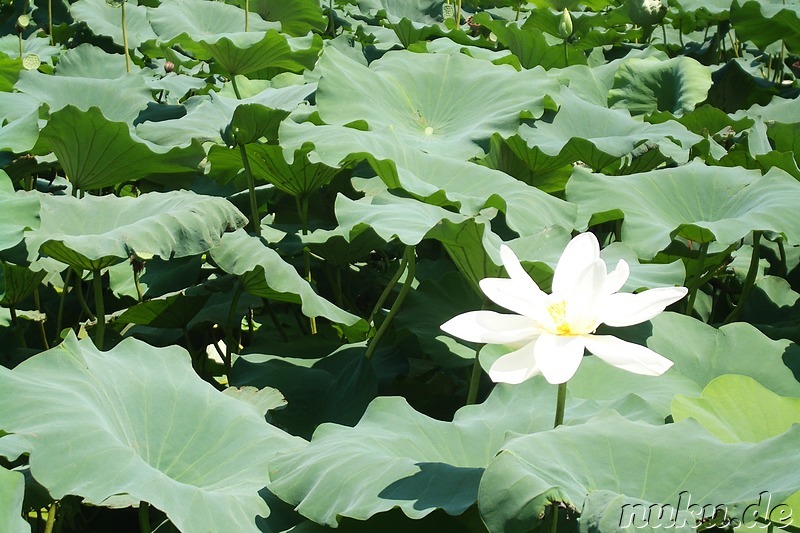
x: 756, y: 515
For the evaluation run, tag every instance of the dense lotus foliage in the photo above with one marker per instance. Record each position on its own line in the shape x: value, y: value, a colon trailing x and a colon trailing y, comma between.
x: 230, y: 233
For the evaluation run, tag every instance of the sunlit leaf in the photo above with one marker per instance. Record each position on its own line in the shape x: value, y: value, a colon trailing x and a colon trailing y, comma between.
x: 264, y: 273
x: 12, y: 490
x: 737, y: 408
x: 98, y: 231
x: 640, y: 462
x: 142, y: 413
x: 696, y: 202
x: 96, y: 152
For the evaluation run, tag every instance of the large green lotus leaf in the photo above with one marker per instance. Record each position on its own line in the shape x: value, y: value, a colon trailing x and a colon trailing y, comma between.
x: 712, y: 353
x: 767, y: 21
x: 20, y: 129
x: 646, y: 85
x: 207, y: 115
x: 98, y: 231
x: 17, y: 283
x: 169, y: 438
x: 398, y: 457
x: 217, y: 31
x: 298, y: 178
x: 696, y: 202
x: 119, y: 99
x: 89, y: 61
x: 530, y: 45
x: 436, y: 178
x: 425, y: 11
x: 642, y: 462
x: 20, y: 212
x: 264, y: 273
x: 104, y: 18
x: 297, y: 17
x: 12, y: 490
x: 96, y: 152
x: 737, y: 408
x: 391, y: 216
x: 606, y: 138
x: 203, y: 21
x: 250, y: 122
x: 777, y: 110
x: 419, y: 100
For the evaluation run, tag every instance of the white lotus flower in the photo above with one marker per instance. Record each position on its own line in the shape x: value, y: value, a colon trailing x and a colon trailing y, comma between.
x: 552, y: 331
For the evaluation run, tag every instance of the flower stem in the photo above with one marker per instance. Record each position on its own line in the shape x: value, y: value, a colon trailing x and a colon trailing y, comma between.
x: 698, y: 277
x: 409, y: 258
x: 144, y: 517
x: 246, y: 15
x: 37, y: 301
x: 302, y: 209
x: 475, y: 379
x: 125, y: 40
x: 251, y: 185
x: 561, y: 401
x: 388, y: 290
x: 235, y: 87
x: 50, y: 20
x: 749, y: 280
x: 51, y: 518
x: 62, y: 301
x: 99, y: 309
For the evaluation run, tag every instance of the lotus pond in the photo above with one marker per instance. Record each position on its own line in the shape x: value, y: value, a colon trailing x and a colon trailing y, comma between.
x: 399, y: 265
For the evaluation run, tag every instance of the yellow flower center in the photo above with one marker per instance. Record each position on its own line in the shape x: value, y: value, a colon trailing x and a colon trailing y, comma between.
x: 558, y: 312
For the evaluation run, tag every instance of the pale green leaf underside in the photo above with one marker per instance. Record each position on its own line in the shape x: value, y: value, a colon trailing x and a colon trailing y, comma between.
x: 264, y: 273
x: 649, y: 463
x: 98, y: 231
x: 697, y: 202
x: 137, y: 421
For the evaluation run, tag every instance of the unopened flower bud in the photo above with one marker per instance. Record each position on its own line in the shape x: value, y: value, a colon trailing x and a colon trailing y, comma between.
x: 565, y: 25
x: 169, y: 66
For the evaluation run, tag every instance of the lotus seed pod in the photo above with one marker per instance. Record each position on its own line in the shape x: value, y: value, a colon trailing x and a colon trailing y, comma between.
x: 647, y: 12
x: 565, y: 27
x: 23, y: 21
x: 169, y: 66
x: 448, y: 11
x: 31, y: 62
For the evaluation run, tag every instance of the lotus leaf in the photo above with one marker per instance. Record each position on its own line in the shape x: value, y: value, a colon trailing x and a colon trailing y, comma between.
x: 96, y: 152
x: 297, y: 17
x: 397, y: 457
x: 104, y: 18
x: 263, y: 273
x: 21, y: 212
x: 120, y: 99
x: 141, y: 413
x: 21, y: 128
x: 417, y: 100
x: 737, y: 408
x: 436, y: 178
x: 696, y: 202
x: 640, y: 462
x: 207, y: 115
x: 767, y: 21
x: 648, y: 85
x: 12, y: 489
x: 610, y: 135
x: 98, y: 231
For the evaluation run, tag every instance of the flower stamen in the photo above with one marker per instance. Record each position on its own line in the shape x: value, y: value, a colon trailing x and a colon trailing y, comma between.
x: 558, y: 312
